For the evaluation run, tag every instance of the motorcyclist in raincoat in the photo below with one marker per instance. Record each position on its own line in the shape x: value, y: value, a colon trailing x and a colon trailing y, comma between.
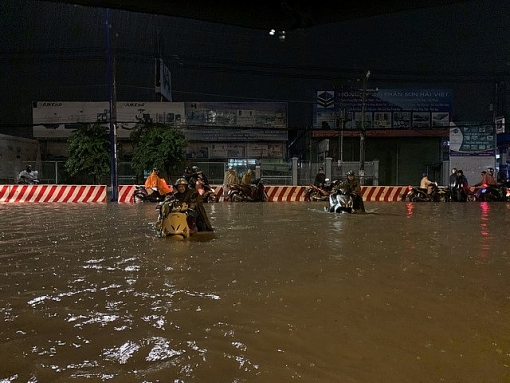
x: 155, y: 181
x: 352, y: 186
x: 193, y: 199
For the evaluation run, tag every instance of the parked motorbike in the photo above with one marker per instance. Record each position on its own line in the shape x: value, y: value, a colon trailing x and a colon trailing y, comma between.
x: 439, y: 194
x: 174, y: 220
x: 26, y: 178
x: 340, y: 202
x: 314, y: 193
x: 458, y: 193
x: 143, y: 194
x: 248, y: 193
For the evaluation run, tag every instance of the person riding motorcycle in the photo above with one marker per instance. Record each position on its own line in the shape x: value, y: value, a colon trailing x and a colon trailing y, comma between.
x: 453, y: 178
x: 193, y: 199
x: 353, y: 187
x: 155, y: 181
x: 487, y: 179
x: 192, y: 175
x: 425, y: 183
x: 27, y: 176
x: 320, y: 179
x: 230, y: 178
x: 462, y: 180
x: 246, y: 180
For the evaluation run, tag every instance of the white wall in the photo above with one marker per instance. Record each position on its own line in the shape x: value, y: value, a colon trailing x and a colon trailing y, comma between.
x: 15, y: 154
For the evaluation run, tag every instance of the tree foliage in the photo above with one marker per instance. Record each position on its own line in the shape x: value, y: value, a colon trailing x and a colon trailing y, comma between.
x: 157, y: 145
x: 89, y: 152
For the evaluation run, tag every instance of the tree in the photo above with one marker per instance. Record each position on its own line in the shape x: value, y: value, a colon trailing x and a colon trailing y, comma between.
x: 157, y: 145
x: 89, y: 152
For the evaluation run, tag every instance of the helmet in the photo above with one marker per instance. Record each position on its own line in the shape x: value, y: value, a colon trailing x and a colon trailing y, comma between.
x: 230, y: 168
x: 155, y: 169
x: 181, y: 181
x: 350, y: 173
x: 424, y: 175
x: 454, y: 170
x: 194, y: 168
x: 491, y: 170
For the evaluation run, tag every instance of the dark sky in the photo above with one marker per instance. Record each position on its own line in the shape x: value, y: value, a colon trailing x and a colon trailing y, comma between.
x: 56, y: 52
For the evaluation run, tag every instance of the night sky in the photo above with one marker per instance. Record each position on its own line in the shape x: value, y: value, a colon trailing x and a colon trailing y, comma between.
x: 56, y: 52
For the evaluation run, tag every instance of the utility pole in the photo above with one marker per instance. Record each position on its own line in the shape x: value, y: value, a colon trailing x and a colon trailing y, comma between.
x: 113, y: 113
x: 362, y: 132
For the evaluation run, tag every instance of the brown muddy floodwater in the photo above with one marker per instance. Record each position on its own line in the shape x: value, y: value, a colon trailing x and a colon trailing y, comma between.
x: 280, y: 292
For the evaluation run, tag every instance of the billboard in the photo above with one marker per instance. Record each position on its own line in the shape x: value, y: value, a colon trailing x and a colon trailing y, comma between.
x: 477, y: 140
x: 384, y: 109
x: 237, y: 114
x: 199, y: 121
x: 59, y: 119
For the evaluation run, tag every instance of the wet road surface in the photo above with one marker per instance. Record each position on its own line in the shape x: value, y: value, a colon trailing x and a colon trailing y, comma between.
x: 410, y: 292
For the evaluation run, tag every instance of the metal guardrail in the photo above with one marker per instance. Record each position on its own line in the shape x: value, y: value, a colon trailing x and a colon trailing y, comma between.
x: 54, y: 172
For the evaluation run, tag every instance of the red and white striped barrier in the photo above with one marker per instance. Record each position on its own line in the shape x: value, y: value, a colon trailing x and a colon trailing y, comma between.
x: 297, y: 193
x: 384, y: 193
x: 52, y: 193
x: 126, y: 193
x: 286, y: 193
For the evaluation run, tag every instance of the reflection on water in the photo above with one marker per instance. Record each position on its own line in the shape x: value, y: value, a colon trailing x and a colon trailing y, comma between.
x: 279, y: 292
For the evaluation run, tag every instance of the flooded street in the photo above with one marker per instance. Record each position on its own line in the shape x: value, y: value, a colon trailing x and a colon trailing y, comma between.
x: 280, y: 292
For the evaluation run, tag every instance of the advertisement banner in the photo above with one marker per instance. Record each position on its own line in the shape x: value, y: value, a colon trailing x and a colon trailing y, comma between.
x: 384, y: 108
x: 472, y: 140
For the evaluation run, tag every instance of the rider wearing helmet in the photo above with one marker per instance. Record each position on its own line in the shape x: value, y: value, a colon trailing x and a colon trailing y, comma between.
x: 193, y: 199
x: 453, y: 178
x: 193, y: 174
x: 462, y: 180
x: 487, y: 179
x: 353, y: 187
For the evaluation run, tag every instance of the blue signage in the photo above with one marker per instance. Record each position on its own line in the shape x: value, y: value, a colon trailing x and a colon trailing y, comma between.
x: 384, y: 109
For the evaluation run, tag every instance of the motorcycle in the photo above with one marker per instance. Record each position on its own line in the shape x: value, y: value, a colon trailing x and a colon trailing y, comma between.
x: 340, y: 202
x: 143, y: 194
x: 493, y: 193
x: 458, y: 193
x: 248, y: 193
x: 439, y: 194
x: 314, y: 193
x: 174, y: 220
x: 206, y: 191
x: 26, y: 178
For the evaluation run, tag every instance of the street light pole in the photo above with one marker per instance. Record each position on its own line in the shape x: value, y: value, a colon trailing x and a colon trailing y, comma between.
x: 341, y: 137
x: 362, y: 133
